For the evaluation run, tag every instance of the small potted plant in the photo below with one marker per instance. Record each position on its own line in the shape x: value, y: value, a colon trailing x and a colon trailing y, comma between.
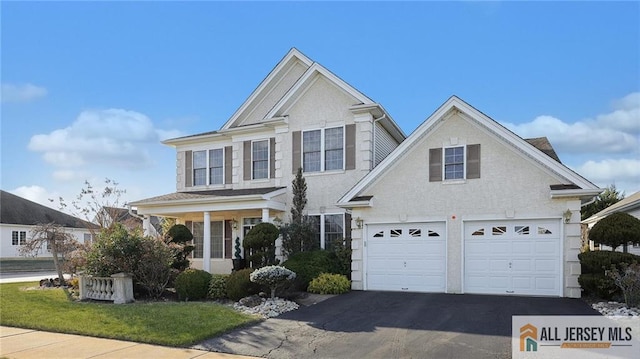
x: 238, y: 261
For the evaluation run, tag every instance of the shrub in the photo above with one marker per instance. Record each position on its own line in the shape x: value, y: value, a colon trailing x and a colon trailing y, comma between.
x: 327, y: 283
x: 114, y: 251
x: 308, y: 265
x: 617, y: 229
x: 179, y: 235
x: 342, y: 250
x: 260, y: 245
x: 239, y: 285
x: 218, y: 286
x: 193, y: 284
x: 593, y: 279
x: 628, y: 280
x: 154, y: 266
x: 273, y: 277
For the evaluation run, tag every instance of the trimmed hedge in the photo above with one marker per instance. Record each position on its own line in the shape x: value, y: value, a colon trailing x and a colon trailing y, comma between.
x: 327, y: 283
x: 218, y: 286
x: 593, y: 280
x: 239, y: 285
x: 309, y: 265
x: 193, y: 284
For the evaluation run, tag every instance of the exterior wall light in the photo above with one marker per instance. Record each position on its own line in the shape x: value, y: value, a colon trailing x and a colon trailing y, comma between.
x: 567, y: 215
x: 359, y: 222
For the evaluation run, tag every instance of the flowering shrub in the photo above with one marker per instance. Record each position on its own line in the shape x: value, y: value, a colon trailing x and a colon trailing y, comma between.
x: 272, y: 276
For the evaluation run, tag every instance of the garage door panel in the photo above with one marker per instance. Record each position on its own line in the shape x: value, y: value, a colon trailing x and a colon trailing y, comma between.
x: 405, y: 257
x: 512, y: 257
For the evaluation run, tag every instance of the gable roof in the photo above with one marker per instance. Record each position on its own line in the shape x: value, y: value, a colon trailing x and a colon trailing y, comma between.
x: 627, y: 204
x: 585, y: 190
x: 543, y: 144
x: 17, y: 210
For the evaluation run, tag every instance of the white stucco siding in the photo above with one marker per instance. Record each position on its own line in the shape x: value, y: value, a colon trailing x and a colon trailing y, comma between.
x: 257, y: 112
x: 510, y: 186
x: 324, y: 105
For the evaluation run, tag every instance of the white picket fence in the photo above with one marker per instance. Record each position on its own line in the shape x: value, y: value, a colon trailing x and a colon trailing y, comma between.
x: 117, y: 288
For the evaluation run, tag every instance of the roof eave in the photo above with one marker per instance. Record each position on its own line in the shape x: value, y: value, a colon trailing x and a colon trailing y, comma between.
x: 585, y: 195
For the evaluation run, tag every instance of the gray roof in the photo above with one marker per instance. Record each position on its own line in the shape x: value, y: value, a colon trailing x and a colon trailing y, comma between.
x: 543, y: 144
x: 17, y: 210
x: 177, y: 196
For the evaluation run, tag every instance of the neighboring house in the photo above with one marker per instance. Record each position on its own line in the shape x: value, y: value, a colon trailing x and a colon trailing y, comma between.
x: 464, y: 205
x: 461, y: 206
x: 301, y: 115
x: 18, y: 216
x: 630, y: 205
x: 127, y: 217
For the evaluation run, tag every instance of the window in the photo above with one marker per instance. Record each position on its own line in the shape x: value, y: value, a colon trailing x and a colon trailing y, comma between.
x: 216, y: 239
x: 249, y: 223
x: 331, y: 230
x: 454, y: 163
x: 87, y: 238
x: 260, y: 159
x: 18, y: 238
x: 199, y: 168
x: 216, y: 166
x: 323, y: 150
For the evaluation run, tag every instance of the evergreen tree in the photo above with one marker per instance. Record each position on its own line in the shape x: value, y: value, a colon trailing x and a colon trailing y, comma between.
x: 605, y: 199
x: 299, y: 188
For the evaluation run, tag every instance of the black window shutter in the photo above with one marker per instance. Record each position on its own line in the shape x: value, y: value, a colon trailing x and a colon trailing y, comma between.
x: 473, y: 161
x: 350, y: 150
x: 296, y: 150
x: 228, y: 163
x: 188, y: 168
x: 246, y: 158
x: 435, y: 164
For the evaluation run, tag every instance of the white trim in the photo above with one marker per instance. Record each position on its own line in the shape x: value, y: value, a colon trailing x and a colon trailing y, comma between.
x: 268, y: 140
x: 293, y: 54
x: 464, y: 164
x: 456, y: 105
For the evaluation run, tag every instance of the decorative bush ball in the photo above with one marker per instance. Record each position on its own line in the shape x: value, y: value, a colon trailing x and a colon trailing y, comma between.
x: 327, y: 283
x: 273, y: 277
x: 218, y: 286
x: 193, y: 284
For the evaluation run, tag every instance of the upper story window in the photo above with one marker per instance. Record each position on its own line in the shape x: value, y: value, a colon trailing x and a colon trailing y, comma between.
x: 323, y: 150
x: 260, y: 159
x: 216, y: 166
x: 199, y: 168
x: 454, y: 163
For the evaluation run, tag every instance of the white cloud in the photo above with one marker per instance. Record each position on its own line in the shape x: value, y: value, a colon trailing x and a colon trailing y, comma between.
x: 112, y: 137
x: 21, y: 93
x: 624, y: 173
x: 613, y: 132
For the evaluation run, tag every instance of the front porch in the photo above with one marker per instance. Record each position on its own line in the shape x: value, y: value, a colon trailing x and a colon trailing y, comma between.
x: 216, y: 219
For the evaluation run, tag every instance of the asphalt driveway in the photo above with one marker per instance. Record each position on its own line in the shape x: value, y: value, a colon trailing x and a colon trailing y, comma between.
x: 394, y: 325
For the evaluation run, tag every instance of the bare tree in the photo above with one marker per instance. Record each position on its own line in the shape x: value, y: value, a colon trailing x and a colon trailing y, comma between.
x: 101, y: 207
x: 53, y: 237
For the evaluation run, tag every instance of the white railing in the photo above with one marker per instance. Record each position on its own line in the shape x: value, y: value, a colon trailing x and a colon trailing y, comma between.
x: 117, y: 288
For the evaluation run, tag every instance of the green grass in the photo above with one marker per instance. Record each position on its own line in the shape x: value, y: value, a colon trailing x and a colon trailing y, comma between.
x: 166, y: 323
x: 27, y: 265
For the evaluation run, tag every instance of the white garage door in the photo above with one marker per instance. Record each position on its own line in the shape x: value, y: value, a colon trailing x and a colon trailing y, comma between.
x: 512, y: 257
x: 406, y: 257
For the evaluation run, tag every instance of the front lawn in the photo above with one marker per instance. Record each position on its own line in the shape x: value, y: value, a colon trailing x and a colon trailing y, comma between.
x: 166, y: 323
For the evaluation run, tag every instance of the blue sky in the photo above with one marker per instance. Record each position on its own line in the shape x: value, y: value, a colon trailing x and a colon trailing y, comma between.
x: 90, y: 89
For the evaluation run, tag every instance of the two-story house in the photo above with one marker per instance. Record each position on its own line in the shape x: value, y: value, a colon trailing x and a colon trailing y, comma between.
x: 300, y: 116
x: 462, y: 205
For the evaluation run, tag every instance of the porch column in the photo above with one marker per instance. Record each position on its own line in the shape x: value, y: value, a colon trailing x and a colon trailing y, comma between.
x: 206, y: 243
x: 265, y: 215
x: 146, y: 223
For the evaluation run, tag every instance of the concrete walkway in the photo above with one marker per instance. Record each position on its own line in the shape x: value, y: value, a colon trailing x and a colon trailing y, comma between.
x: 16, y: 343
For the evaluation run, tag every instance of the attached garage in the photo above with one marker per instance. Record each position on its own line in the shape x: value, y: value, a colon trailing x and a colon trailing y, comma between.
x: 520, y: 257
x: 406, y: 257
